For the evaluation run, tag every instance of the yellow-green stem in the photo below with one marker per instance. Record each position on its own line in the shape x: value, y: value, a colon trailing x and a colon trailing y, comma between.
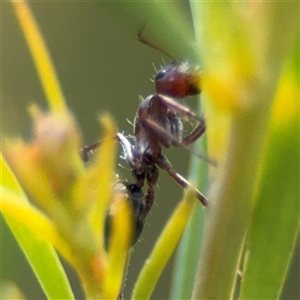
x: 231, y: 206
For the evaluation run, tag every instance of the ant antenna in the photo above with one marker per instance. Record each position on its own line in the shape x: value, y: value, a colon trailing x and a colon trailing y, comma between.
x: 146, y: 42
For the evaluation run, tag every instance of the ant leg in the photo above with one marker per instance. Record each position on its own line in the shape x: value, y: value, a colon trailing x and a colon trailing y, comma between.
x: 87, y: 150
x: 149, y: 198
x: 129, y: 152
x: 139, y: 181
x: 161, y: 122
x: 152, y: 174
x: 167, y: 135
x: 169, y: 129
x: 178, y: 108
x: 185, y: 112
x: 164, y: 163
x: 195, y: 134
x: 177, y: 140
x: 152, y: 177
x: 177, y: 130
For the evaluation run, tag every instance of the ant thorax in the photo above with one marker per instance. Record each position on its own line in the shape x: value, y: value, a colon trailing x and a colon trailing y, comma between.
x: 147, y: 146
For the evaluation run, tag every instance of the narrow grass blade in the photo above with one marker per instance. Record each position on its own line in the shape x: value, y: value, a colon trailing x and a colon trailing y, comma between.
x: 169, y: 26
x: 188, y: 251
x: 275, y: 226
x: 41, y: 256
x: 164, y: 248
x: 41, y: 56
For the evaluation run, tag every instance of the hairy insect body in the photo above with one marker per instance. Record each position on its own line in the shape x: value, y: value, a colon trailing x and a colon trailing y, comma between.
x: 158, y: 125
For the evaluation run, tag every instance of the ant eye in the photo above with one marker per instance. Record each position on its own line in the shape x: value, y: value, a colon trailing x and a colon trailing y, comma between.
x: 160, y: 74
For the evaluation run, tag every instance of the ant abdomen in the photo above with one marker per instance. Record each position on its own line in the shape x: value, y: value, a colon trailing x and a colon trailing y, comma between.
x: 135, y: 196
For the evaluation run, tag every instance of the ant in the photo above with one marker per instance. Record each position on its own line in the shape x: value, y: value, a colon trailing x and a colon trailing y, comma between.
x: 158, y: 124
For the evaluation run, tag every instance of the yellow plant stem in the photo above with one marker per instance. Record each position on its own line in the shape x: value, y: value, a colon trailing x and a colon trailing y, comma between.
x: 106, y: 163
x: 164, y: 248
x: 41, y: 56
x: 119, y: 246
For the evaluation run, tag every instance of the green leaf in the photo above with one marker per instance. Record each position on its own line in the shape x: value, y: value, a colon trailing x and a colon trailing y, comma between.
x: 41, y: 255
x: 275, y: 225
x: 41, y: 56
x: 188, y: 251
x: 169, y: 26
x: 239, y: 56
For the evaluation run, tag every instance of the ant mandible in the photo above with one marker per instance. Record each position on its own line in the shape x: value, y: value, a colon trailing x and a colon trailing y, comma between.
x: 157, y: 124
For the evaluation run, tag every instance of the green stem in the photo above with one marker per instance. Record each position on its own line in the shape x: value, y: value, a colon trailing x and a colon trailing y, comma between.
x: 185, y: 266
x: 231, y: 206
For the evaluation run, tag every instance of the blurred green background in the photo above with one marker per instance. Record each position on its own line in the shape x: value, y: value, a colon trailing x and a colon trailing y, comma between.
x: 101, y: 67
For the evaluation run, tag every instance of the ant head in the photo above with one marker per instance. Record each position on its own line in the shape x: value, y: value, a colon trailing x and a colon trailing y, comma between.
x: 178, y: 80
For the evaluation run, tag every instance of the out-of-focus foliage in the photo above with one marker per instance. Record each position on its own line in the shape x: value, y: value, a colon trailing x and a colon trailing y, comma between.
x: 250, y: 87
